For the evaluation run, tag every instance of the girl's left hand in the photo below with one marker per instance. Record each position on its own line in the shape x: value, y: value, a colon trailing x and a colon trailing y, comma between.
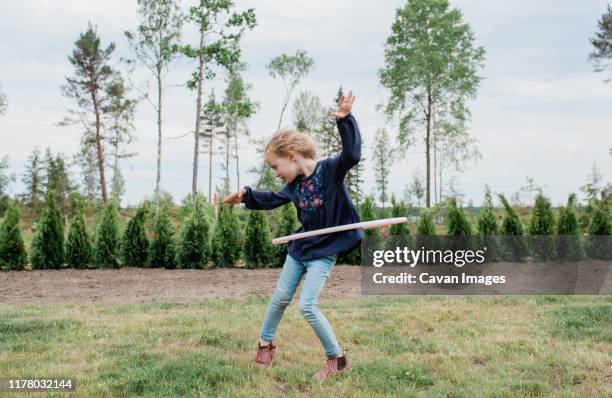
x: 345, y: 104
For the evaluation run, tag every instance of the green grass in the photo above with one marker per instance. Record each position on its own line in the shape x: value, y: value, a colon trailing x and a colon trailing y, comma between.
x: 506, y: 346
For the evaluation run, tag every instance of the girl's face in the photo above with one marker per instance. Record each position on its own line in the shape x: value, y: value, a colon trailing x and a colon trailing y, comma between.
x: 284, y: 167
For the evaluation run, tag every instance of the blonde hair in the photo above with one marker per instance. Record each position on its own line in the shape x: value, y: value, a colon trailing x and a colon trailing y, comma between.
x: 285, y: 140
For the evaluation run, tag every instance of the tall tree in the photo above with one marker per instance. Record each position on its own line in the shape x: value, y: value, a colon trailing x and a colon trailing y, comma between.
x: 307, y: 112
x: 93, y: 86
x: 33, y: 178
x: 601, y: 57
x: 290, y: 69
x: 430, y: 69
x: 3, y: 102
x: 120, y: 124
x: 381, y: 155
x: 220, y: 30
x: 154, y: 44
x: 452, y: 146
x: 212, y: 116
x: 238, y: 108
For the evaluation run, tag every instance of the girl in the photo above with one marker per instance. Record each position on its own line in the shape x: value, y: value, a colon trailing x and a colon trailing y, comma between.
x: 316, y: 188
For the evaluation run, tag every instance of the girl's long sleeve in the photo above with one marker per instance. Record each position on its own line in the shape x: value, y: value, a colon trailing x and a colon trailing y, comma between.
x: 351, y: 146
x: 265, y: 200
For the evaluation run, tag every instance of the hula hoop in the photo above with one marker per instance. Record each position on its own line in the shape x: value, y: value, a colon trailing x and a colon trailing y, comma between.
x: 365, y: 225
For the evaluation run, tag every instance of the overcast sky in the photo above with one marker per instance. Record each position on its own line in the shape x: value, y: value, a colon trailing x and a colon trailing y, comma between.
x: 540, y: 111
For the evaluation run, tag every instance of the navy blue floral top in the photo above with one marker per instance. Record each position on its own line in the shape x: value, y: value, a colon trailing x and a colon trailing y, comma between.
x: 321, y: 200
x: 309, y: 190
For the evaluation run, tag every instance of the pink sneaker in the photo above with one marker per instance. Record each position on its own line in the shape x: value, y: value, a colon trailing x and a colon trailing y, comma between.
x: 264, y: 355
x: 334, y: 366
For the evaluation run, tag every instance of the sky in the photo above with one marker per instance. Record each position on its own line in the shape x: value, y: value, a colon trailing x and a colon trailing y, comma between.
x: 540, y: 110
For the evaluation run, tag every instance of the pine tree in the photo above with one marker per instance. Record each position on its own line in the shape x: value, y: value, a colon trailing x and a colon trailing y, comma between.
x: 226, y: 238
x: 457, y: 222
x: 258, y: 251
x: 32, y: 179
x: 12, y: 249
x: 48, y: 242
x: 542, y: 229
x: 94, y: 86
x: 107, y: 250
x: 569, y: 245
x: 426, y: 231
x: 135, y: 244
x: 372, y: 239
x: 287, y: 224
x: 487, y: 223
x: 383, y: 160
x: 194, y: 246
x: 57, y: 177
x: 79, y: 249
x: 511, y: 224
x: 399, y: 234
x: 488, y: 228
x: 459, y: 229
x: 162, y: 252
x: 514, y: 246
x: 600, y: 228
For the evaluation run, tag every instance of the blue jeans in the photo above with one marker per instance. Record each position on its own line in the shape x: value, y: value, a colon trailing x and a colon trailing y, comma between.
x: 316, y: 271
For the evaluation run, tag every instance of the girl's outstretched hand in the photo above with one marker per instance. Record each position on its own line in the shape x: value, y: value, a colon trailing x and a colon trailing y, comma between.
x: 234, y: 198
x: 345, y: 104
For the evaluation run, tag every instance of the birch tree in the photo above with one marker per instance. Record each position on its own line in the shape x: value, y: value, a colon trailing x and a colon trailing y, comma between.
x: 154, y: 45
x: 220, y: 30
x: 431, y: 64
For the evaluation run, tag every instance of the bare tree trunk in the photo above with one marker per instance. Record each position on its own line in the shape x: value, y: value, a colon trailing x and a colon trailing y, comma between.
x: 159, y: 134
x: 100, y: 149
x: 237, y: 169
x: 196, y: 148
x: 435, y: 153
x: 280, y: 120
x: 427, y: 150
x: 228, y: 140
x: 210, y: 155
x: 441, y: 159
x: 116, y: 167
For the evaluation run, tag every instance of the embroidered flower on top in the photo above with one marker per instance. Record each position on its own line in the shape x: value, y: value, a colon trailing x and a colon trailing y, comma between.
x: 309, y: 190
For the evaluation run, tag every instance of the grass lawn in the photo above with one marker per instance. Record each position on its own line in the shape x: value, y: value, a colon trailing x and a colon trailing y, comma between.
x: 456, y: 346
